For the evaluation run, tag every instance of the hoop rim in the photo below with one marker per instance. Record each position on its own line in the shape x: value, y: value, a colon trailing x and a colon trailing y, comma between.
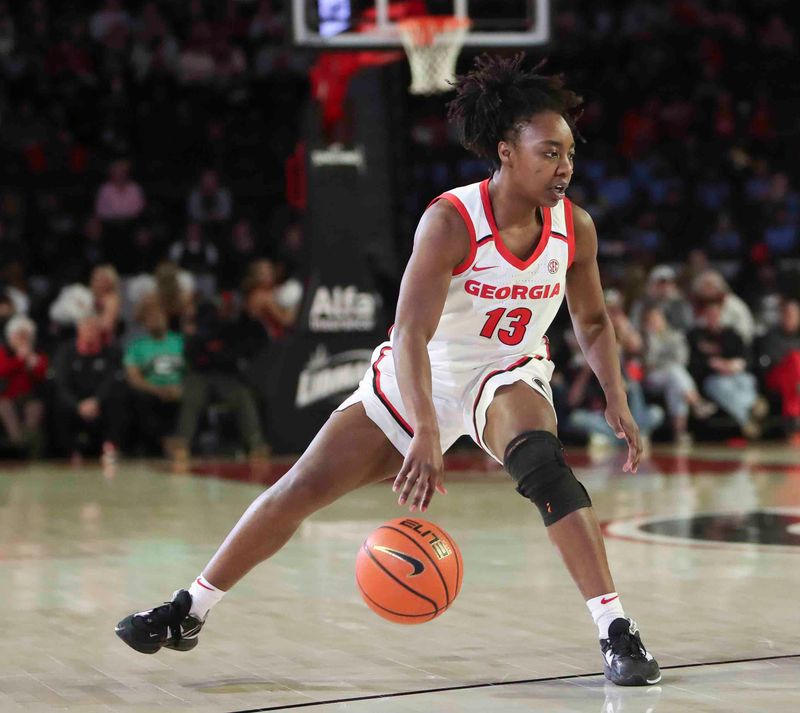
x: 423, y: 29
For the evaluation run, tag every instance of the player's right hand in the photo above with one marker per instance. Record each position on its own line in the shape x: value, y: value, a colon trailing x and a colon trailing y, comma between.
x: 422, y: 473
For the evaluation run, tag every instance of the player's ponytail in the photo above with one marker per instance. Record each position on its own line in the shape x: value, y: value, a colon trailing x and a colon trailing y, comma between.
x: 498, y: 95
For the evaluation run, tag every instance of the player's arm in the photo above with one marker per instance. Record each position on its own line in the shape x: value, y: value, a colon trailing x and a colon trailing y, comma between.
x: 440, y: 244
x: 595, y: 333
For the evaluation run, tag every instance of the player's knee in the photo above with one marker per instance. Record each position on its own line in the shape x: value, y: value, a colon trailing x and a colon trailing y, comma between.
x: 535, y: 460
x: 302, y: 493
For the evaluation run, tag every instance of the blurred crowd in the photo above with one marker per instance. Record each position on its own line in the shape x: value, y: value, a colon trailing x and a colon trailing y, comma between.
x: 148, y: 254
x: 142, y: 365
x: 694, y: 354
x: 690, y: 127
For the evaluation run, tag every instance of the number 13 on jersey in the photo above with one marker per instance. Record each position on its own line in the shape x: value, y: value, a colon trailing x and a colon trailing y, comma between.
x: 518, y: 322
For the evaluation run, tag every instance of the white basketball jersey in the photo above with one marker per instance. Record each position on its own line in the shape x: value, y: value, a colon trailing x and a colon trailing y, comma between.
x: 499, y: 306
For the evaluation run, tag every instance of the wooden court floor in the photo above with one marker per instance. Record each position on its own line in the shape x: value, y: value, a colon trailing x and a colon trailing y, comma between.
x: 704, y: 546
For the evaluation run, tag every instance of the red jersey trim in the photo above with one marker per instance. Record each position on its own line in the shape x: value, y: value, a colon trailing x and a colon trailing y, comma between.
x: 455, y: 201
x: 376, y: 385
x: 515, y: 365
x: 498, y: 240
x: 570, y: 231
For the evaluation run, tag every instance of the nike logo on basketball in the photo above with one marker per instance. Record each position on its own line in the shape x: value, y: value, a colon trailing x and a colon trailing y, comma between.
x: 413, y: 561
x: 609, y: 600
x: 481, y: 269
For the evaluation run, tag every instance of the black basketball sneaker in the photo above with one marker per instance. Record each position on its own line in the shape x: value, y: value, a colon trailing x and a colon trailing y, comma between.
x: 626, y: 661
x: 168, y: 625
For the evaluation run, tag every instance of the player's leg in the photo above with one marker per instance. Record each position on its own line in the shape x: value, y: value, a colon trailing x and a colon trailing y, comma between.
x: 348, y: 452
x: 521, y: 428
x: 518, y: 409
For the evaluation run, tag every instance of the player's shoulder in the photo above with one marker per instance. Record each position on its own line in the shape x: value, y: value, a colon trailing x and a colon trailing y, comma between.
x: 442, y: 235
x: 442, y: 218
x: 581, y: 220
x: 585, y: 235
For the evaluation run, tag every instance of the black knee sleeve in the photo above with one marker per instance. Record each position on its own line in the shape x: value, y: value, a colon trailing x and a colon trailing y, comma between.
x: 535, y: 460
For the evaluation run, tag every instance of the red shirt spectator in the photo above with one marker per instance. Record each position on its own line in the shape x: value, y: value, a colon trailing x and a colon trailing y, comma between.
x: 21, y: 368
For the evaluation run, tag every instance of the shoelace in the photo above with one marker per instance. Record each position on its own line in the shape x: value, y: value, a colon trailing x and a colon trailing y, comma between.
x: 173, y: 626
x: 628, y: 645
x: 165, y: 614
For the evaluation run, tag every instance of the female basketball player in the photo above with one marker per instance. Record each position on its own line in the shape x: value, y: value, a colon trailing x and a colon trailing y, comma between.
x: 490, y: 267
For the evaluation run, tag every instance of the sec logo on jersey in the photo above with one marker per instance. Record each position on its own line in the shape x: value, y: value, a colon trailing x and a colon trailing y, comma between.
x: 552, y: 267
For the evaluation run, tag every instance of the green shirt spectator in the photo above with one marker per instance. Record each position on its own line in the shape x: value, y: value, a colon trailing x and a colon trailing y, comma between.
x: 159, y: 360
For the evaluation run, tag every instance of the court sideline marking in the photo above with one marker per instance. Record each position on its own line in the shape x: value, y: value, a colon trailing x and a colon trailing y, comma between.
x: 497, y: 683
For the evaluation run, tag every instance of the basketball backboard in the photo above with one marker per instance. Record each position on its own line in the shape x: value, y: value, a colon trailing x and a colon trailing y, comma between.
x: 372, y: 23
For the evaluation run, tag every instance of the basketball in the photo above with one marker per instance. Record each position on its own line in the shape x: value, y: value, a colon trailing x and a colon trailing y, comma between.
x: 409, y: 571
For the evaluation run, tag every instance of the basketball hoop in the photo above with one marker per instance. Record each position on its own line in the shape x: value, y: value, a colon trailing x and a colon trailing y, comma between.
x: 432, y: 43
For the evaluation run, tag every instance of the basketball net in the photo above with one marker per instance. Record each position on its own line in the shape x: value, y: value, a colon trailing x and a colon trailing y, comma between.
x: 432, y: 43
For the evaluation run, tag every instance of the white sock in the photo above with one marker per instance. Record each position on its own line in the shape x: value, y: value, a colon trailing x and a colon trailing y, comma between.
x: 204, y: 596
x: 604, y: 609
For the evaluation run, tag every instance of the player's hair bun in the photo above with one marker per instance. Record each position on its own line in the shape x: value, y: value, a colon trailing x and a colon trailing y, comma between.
x: 498, y: 94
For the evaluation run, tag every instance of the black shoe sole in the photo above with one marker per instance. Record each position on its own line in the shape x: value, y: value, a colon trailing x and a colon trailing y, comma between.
x: 634, y: 680
x: 143, y: 647
x: 181, y: 645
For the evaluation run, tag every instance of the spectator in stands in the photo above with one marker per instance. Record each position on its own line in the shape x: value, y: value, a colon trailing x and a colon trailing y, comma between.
x: 104, y: 284
x: 120, y: 197
x: 92, y: 248
x: 109, y: 17
x: 710, y: 287
x: 154, y: 365
x: 15, y: 280
x: 585, y: 397
x: 176, y: 293
x: 196, y: 59
x: 7, y: 308
x: 74, y: 303
x: 22, y: 371
x: 242, y: 248
x: 586, y: 404
x: 726, y: 240
x: 89, y: 399
x: 254, y: 324
x: 666, y: 356
x: 195, y: 253
x: 209, y: 202
x: 780, y: 357
x: 663, y: 292
x: 718, y: 362
x: 213, y: 372
x: 154, y: 48
x: 276, y: 306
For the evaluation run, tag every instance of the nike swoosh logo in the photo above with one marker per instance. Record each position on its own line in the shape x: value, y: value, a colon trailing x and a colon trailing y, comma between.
x: 607, y: 601
x: 481, y: 269
x: 413, y: 561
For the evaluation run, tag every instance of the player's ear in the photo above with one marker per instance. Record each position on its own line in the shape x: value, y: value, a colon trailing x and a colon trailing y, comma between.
x: 504, y: 152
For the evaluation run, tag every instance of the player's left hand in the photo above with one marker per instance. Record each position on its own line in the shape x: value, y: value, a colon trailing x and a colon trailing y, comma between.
x: 422, y: 473
x: 620, y: 419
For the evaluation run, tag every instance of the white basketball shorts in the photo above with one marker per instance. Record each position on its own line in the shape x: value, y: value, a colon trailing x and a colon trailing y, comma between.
x: 461, y: 398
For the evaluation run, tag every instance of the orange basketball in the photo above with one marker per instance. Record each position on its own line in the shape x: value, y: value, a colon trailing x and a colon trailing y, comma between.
x: 409, y: 570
